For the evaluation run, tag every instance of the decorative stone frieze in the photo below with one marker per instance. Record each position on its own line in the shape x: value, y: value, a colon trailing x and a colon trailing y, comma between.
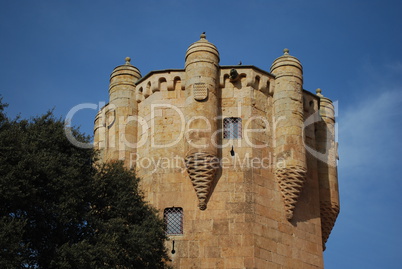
x: 201, y: 168
x: 291, y: 181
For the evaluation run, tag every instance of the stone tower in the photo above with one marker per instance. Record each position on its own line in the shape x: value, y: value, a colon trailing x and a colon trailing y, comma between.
x: 241, y: 162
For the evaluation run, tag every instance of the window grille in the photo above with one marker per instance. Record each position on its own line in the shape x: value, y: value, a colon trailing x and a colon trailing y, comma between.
x: 232, y: 128
x: 173, y: 217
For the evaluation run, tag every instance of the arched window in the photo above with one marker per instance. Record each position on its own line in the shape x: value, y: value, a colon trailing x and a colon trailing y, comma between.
x: 232, y: 128
x: 173, y: 217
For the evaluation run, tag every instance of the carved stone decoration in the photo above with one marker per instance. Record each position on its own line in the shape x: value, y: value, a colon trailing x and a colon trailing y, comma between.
x: 200, y: 91
x: 329, y: 212
x: 201, y: 167
x: 234, y: 75
x: 291, y: 180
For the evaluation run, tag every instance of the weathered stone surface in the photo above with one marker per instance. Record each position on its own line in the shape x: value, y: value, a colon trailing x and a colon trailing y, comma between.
x: 272, y: 191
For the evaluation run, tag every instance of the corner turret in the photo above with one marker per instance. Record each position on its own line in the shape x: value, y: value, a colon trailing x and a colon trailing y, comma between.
x: 122, y: 83
x: 202, y: 65
x: 289, y: 118
x: 115, y: 124
x: 327, y: 166
x: 201, y: 156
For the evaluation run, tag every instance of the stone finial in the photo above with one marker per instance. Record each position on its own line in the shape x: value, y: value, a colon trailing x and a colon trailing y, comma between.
x: 285, y: 51
x: 128, y: 60
x: 318, y: 92
x: 203, y: 36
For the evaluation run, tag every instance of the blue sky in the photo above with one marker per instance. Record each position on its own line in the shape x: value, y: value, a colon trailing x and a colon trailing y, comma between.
x: 58, y: 54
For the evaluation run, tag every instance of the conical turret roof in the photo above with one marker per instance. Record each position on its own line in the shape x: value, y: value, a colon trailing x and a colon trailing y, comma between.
x: 286, y: 60
x: 202, y: 45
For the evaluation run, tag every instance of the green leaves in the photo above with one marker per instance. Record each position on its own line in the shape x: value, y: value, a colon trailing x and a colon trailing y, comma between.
x: 127, y: 231
x: 57, y: 210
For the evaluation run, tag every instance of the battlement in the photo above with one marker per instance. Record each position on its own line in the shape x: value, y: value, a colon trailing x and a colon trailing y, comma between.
x: 241, y: 162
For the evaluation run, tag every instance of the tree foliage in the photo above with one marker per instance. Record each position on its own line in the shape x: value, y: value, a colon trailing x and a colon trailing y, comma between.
x: 57, y: 210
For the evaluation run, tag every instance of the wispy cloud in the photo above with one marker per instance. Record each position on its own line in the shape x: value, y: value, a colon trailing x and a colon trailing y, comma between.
x: 370, y: 148
x: 370, y: 127
x: 369, y: 130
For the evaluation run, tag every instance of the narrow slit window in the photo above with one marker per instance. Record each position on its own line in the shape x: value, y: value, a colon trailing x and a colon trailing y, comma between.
x: 232, y: 128
x: 173, y: 217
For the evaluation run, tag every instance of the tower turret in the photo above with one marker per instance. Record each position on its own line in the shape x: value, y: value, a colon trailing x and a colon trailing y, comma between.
x: 258, y: 151
x: 202, y: 70
x: 121, y: 111
x: 327, y: 167
x: 288, y: 128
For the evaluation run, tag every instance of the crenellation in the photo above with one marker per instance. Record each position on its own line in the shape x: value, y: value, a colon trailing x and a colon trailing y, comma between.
x: 159, y: 82
x: 248, y: 156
